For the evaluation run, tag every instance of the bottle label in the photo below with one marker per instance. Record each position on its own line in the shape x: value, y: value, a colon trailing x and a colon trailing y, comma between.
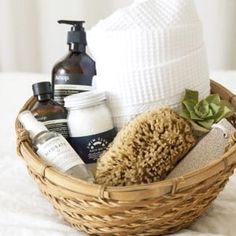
x: 91, y: 147
x: 56, y: 122
x: 58, y: 153
x: 68, y: 84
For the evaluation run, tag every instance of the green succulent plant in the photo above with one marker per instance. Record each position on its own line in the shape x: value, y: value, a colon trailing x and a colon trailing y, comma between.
x: 204, y: 113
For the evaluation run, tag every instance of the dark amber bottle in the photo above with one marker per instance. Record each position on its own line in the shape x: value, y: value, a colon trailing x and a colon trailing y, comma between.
x: 52, y: 114
x: 75, y: 72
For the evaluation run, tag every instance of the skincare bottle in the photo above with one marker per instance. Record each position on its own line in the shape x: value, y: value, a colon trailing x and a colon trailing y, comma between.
x: 74, y: 73
x: 53, y: 148
x: 52, y: 114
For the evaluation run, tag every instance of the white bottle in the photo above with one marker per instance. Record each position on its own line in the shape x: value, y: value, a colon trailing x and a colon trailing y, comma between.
x: 53, y: 148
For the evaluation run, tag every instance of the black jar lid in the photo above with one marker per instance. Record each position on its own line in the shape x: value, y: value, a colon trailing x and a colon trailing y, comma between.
x: 42, y: 88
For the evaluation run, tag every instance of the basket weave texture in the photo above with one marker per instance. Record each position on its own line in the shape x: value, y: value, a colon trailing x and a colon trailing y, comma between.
x: 152, y: 209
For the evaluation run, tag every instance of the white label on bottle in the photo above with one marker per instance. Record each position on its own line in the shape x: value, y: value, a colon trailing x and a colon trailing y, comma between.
x: 72, y: 87
x: 58, y: 153
x: 51, y: 122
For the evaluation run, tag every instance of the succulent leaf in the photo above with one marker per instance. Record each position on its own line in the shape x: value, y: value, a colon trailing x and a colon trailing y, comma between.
x: 213, y: 99
x: 189, y: 105
x: 202, y: 109
x: 224, y: 112
x: 214, y: 108
x: 207, y: 123
x: 191, y: 95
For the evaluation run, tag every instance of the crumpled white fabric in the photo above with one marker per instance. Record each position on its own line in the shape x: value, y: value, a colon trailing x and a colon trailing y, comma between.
x: 148, y: 53
x: 23, y: 209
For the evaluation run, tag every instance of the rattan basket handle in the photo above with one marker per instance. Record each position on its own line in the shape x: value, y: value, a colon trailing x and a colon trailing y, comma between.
x: 232, y: 142
x: 23, y: 136
x: 224, y: 93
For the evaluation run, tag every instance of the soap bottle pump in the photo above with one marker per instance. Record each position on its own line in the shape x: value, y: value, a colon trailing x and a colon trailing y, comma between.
x: 75, y: 72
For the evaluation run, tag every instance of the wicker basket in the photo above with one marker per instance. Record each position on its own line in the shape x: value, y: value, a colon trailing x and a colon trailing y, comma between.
x: 153, y: 209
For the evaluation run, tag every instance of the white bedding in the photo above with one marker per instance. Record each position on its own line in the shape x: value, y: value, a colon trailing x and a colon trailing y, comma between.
x: 24, y: 211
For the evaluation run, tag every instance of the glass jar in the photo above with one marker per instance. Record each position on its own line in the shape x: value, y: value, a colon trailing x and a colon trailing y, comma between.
x: 90, y: 124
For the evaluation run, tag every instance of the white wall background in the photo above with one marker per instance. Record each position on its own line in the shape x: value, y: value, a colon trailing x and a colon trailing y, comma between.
x: 32, y: 41
x: 219, y: 17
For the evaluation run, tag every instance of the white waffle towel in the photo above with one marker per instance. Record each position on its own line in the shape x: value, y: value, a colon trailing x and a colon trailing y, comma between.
x: 147, y: 54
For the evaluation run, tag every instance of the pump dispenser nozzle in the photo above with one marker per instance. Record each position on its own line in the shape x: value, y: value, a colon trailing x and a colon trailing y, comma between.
x: 77, y: 33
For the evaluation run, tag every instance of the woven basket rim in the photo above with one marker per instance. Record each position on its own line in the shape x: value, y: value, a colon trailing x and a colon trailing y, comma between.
x: 126, y: 193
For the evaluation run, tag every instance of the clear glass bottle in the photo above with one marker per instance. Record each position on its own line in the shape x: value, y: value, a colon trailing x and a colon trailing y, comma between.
x: 53, y: 148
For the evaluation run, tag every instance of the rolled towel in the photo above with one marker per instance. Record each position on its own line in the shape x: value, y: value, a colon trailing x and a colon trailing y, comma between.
x: 147, y: 54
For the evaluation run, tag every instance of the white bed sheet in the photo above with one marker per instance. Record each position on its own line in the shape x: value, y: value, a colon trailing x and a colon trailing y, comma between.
x: 23, y: 209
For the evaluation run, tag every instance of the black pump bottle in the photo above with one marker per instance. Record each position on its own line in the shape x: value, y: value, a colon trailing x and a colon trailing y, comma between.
x: 75, y: 72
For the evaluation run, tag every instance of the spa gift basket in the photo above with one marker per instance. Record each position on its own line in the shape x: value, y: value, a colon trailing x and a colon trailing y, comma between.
x: 146, y: 56
x: 151, y: 209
